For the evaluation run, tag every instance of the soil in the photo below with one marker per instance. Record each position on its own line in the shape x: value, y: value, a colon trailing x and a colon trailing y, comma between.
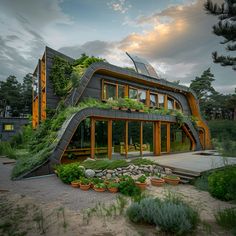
x: 45, y: 206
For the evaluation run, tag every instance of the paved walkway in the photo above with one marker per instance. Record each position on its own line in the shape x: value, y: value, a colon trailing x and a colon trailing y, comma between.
x: 51, y: 189
x: 194, y: 161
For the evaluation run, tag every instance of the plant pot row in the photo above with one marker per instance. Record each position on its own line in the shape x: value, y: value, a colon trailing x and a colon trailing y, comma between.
x: 86, y: 187
x: 126, y: 109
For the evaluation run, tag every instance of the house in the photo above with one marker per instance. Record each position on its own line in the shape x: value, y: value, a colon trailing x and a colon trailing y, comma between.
x: 123, y: 133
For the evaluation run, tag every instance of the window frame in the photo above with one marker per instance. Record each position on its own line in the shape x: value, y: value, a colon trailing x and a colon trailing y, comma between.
x: 8, y: 130
x: 134, y: 88
x: 156, y: 94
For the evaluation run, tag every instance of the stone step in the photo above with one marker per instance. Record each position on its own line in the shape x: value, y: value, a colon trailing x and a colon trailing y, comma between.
x: 186, y: 173
x: 184, y: 177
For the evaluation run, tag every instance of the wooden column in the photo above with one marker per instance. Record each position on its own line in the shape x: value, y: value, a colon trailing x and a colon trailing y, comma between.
x: 165, y: 102
x: 157, y: 138
x: 148, y: 98
x: 126, y: 138
x: 141, y: 138
x: 92, y: 136
x: 168, y: 137
x: 109, y: 141
x: 126, y: 91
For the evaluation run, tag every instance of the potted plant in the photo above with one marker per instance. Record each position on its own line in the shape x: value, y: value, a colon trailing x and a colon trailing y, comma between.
x: 100, y: 187
x: 113, y: 187
x: 157, y: 180
x: 172, y: 179
x: 84, y: 184
x: 113, y: 103
x: 141, y: 182
x: 95, y: 181
x: 75, y: 183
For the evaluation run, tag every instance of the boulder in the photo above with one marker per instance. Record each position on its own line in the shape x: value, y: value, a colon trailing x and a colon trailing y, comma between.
x: 89, y: 173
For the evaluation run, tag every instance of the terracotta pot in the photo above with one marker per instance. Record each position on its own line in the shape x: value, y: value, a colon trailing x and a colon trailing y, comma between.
x: 157, y: 182
x: 115, y: 108
x: 113, y: 190
x: 75, y: 184
x: 84, y: 187
x: 142, y: 186
x: 124, y: 108
x: 172, y: 181
x: 141, y: 110
x: 132, y: 110
x: 99, y: 189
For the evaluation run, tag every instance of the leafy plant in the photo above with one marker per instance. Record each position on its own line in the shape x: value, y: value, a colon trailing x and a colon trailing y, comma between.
x: 226, y: 218
x: 222, y: 184
x: 84, y: 181
x: 70, y: 172
x: 127, y: 186
x: 172, y: 177
x: 113, y: 185
x: 100, y: 185
x: 142, y: 179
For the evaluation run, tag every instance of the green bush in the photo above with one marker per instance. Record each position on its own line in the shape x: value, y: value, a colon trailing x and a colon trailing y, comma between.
x: 222, y: 184
x: 142, y: 161
x: 226, y: 218
x: 127, y: 187
x: 201, y: 182
x: 70, y: 172
x: 7, y: 150
x: 170, y: 215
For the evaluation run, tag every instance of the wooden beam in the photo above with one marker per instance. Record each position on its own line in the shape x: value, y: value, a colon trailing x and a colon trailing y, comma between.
x: 92, y: 136
x: 148, y: 98
x: 126, y: 138
x: 157, y: 138
x: 168, y: 137
x: 165, y: 102
x: 126, y: 91
x: 141, y: 138
x: 109, y: 141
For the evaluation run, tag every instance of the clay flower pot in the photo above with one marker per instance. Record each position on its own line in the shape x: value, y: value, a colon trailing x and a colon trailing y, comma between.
x: 142, y: 186
x: 124, y: 108
x: 173, y: 180
x: 157, y: 182
x: 99, y: 189
x: 113, y: 190
x: 84, y: 187
x: 75, y: 184
x: 132, y: 110
x: 115, y: 108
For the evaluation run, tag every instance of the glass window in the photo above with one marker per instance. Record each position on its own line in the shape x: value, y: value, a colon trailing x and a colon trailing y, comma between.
x: 133, y: 93
x: 8, y: 127
x: 142, y: 96
x: 121, y: 91
x: 178, y: 106
x: 170, y: 103
x: 109, y: 91
x: 161, y: 100
x: 153, y: 99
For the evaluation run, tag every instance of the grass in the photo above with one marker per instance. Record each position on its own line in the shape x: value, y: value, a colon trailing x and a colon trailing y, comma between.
x: 113, y: 164
x: 201, y: 182
x: 227, y: 219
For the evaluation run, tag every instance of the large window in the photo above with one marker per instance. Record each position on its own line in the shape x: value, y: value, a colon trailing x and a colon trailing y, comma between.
x: 142, y: 96
x: 133, y: 93
x: 170, y: 103
x: 101, y: 138
x: 8, y: 127
x: 178, y: 106
x: 109, y: 91
x: 153, y: 100
x: 121, y: 91
x: 161, y: 100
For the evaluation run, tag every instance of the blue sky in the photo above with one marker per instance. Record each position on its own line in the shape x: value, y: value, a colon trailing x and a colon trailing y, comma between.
x: 174, y: 36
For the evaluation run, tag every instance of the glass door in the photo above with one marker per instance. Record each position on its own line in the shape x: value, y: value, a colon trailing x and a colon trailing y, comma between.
x: 163, y: 137
x: 101, y: 138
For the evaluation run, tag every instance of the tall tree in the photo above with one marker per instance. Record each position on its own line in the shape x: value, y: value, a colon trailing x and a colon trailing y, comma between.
x: 203, y: 88
x: 226, y: 28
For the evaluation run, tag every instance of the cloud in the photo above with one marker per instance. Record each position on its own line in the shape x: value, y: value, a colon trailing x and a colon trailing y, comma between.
x: 121, y: 6
x: 23, y: 30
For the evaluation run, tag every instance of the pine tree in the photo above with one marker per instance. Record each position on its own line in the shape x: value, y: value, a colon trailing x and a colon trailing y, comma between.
x: 226, y: 27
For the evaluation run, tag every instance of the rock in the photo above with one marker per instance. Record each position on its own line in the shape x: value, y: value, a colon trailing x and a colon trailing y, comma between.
x: 108, y: 176
x: 89, y: 173
x: 110, y: 171
x: 99, y: 174
x: 168, y: 171
x: 119, y: 169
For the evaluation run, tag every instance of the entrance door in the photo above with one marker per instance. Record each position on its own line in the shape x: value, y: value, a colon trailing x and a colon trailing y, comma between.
x: 147, y: 138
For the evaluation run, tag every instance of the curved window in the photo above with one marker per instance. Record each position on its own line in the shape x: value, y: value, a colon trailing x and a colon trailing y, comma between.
x: 133, y: 93
x: 170, y: 103
x: 142, y: 96
x: 178, y: 106
x: 153, y: 100
x: 109, y: 91
x: 161, y: 100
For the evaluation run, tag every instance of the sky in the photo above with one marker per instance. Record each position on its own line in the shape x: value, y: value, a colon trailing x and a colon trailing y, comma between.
x: 174, y: 36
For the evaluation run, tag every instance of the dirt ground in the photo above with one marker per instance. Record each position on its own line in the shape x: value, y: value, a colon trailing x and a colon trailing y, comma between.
x: 37, y: 207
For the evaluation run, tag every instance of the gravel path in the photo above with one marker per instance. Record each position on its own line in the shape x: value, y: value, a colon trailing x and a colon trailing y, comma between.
x: 51, y: 189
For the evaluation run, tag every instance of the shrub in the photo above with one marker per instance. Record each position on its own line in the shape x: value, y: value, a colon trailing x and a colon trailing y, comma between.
x: 70, y: 172
x: 171, y: 215
x: 226, y: 218
x: 222, y: 184
x: 7, y: 150
x: 202, y: 182
x: 127, y: 187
